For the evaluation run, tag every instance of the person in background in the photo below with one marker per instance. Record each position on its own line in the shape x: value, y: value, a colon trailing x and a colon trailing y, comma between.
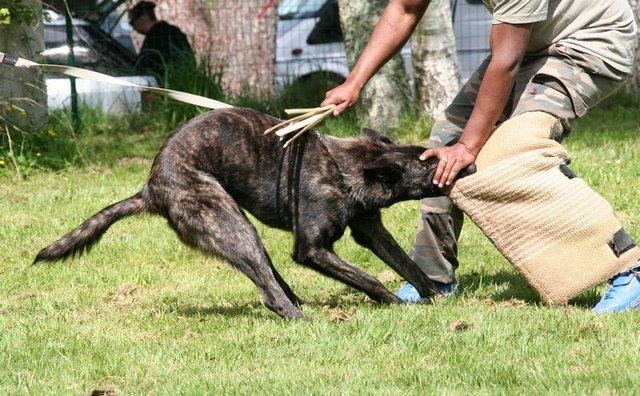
x: 164, y: 45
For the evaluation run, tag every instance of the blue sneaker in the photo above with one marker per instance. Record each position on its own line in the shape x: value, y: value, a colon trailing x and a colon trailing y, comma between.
x: 623, y: 293
x: 409, y: 294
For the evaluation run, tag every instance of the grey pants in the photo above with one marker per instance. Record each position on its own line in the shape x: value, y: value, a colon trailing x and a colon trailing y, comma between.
x: 556, y: 83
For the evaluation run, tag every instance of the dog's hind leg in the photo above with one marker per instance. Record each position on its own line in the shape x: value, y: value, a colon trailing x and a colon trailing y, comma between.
x: 372, y: 234
x: 209, y: 219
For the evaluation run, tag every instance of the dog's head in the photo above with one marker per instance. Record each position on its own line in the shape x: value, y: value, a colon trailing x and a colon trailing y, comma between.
x: 400, y: 170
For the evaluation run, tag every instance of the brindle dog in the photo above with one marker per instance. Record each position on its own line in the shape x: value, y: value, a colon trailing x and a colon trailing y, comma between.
x: 220, y: 162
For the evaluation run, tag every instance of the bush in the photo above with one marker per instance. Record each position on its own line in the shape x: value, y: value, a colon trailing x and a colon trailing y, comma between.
x: 104, y: 139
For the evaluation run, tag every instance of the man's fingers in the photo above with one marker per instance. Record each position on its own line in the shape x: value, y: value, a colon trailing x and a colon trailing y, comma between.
x: 439, y: 175
x: 427, y: 153
x: 453, y: 172
x: 444, y: 178
x: 341, y: 108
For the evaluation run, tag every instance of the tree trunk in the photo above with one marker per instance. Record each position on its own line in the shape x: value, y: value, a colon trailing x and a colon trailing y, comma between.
x: 23, y: 94
x: 193, y: 17
x: 244, y: 46
x: 388, y: 93
x: 433, y: 49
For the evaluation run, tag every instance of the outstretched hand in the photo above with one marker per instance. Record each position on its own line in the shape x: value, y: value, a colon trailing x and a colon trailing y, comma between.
x: 343, y: 96
x: 452, y: 158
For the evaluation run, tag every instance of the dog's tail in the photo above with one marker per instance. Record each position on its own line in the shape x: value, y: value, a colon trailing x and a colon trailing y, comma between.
x: 87, y: 234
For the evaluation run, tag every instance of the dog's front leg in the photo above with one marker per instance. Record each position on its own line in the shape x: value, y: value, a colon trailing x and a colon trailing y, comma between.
x: 325, y: 261
x: 369, y: 232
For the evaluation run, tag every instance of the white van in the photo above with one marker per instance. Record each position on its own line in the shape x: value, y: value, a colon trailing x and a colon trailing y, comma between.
x: 309, y: 40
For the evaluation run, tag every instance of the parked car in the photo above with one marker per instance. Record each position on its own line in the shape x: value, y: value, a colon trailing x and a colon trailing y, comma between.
x: 310, y: 43
x: 101, y: 42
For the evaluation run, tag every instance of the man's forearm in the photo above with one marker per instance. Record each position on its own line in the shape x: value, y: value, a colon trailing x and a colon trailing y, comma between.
x: 491, y: 101
x: 392, y: 31
x: 508, y: 44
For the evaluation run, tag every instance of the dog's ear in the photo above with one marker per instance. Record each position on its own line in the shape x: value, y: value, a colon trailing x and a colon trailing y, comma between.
x: 383, y: 170
x: 377, y: 136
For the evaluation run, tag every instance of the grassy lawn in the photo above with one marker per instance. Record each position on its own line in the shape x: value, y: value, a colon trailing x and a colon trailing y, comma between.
x: 143, y: 314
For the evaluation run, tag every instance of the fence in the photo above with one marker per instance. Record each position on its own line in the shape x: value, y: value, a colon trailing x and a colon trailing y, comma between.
x: 246, y: 39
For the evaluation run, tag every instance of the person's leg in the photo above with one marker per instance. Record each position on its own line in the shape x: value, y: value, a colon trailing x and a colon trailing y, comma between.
x: 550, y: 84
x: 435, y: 246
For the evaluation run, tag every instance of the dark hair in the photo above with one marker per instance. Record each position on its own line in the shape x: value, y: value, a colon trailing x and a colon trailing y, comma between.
x: 142, y: 8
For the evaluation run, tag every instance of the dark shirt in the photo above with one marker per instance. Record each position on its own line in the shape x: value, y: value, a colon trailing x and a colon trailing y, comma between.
x: 163, y: 44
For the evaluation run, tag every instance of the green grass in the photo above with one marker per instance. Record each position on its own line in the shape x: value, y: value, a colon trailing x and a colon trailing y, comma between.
x: 146, y: 315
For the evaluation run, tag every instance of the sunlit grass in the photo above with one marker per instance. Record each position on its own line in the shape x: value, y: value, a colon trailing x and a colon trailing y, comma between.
x: 144, y: 314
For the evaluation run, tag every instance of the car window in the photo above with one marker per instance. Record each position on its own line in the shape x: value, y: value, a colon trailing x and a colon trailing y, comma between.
x: 293, y: 9
x: 328, y: 29
x: 116, y: 24
x: 93, y: 49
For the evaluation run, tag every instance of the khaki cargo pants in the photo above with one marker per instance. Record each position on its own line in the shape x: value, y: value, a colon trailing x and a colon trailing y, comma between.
x: 560, y: 82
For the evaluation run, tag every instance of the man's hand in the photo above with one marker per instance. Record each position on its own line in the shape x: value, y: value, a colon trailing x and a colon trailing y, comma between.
x: 343, y: 96
x: 453, y: 159
x: 508, y: 46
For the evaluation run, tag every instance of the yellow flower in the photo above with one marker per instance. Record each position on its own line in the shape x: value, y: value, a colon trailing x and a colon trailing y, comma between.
x: 52, y: 133
x: 38, y: 154
x: 1, y: 162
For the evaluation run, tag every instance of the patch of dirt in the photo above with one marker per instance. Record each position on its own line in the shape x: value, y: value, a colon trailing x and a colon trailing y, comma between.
x: 25, y: 295
x: 513, y: 302
x: 589, y: 330
x: 105, y: 390
x: 337, y: 314
x: 127, y: 289
x: 349, y: 298
x: 189, y: 335
x: 516, y: 303
x: 126, y: 294
x: 460, y: 325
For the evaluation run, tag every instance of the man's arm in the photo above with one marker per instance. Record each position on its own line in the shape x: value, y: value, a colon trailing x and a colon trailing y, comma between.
x: 392, y: 31
x: 508, y: 45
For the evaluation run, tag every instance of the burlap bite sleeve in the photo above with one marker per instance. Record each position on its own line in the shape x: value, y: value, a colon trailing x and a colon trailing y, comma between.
x: 561, y: 235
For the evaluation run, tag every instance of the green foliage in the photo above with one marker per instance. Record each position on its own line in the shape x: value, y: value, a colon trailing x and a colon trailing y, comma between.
x: 185, y: 76
x: 5, y: 16
x: 309, y: 90
x: 57, y: 145
x: 104, y: 139
x: 17, y: 12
